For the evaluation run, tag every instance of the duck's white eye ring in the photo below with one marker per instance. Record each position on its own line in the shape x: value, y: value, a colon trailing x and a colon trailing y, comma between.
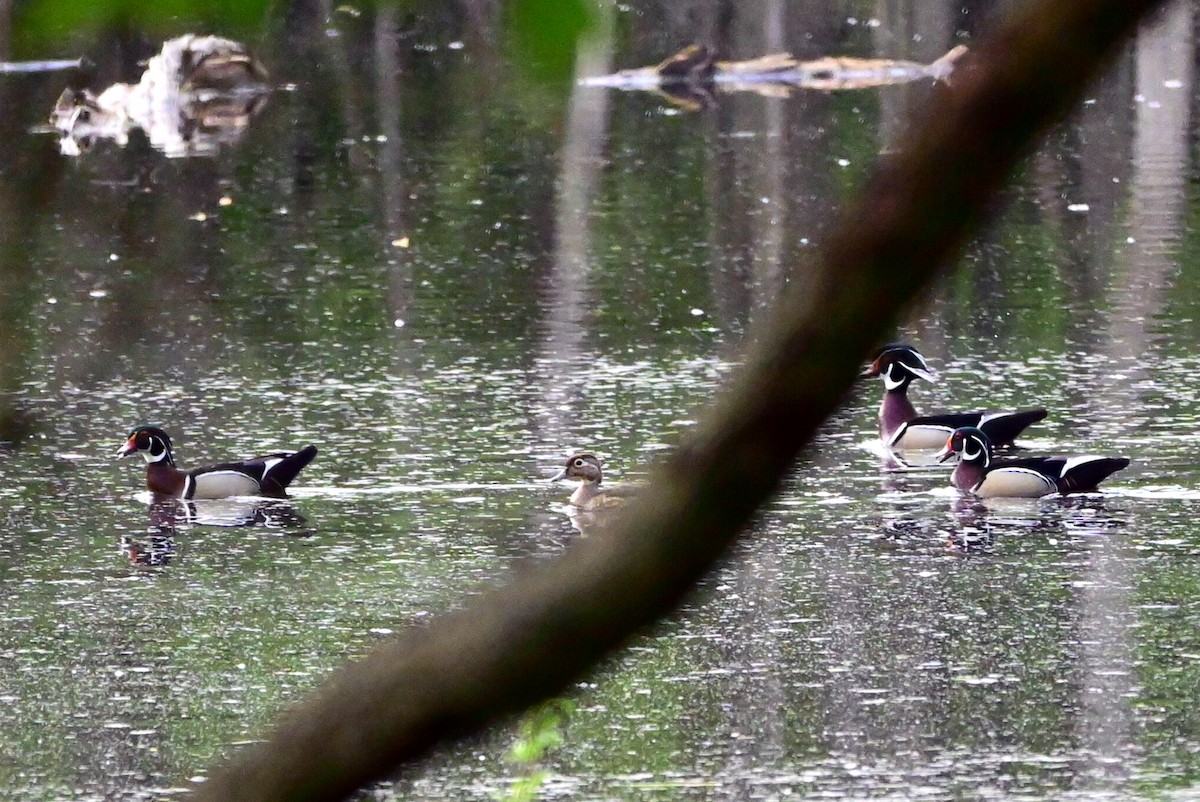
x: 578, y: 463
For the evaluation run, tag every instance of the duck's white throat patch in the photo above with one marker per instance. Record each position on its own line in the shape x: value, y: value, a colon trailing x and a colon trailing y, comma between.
x: 155, y: 445
x: 890, y: 379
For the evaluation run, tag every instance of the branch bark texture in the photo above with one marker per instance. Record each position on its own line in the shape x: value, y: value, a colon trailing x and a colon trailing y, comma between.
x: 528, y: 640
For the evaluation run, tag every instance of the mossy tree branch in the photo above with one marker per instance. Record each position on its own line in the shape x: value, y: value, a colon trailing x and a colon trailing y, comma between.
x: 528, y: 640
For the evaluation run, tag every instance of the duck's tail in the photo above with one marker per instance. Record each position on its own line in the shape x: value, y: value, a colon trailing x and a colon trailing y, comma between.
x: 281, y: 474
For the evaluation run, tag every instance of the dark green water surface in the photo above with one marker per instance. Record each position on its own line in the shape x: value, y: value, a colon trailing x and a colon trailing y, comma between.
x: 447, y: 268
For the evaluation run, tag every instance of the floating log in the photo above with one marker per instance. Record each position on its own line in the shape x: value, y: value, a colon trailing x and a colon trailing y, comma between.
x: 693, y: 74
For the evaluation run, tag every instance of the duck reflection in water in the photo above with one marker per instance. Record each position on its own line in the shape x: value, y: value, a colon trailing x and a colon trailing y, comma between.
x: 589, y: 522
x: 972, y: 530
x: 980, y: 525
x: 158, y: 547
x: 167, y: 515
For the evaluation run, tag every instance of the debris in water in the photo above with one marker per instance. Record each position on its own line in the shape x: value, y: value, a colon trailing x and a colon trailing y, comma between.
x: 198, y: 93
x: 41, y: 66
x: 690, y: 77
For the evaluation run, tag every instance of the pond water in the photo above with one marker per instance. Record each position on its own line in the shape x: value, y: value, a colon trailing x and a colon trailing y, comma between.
x: 447, y: 270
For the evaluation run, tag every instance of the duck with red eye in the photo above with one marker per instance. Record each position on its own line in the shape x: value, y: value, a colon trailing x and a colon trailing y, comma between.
x: 268, y: 475
x: 584, y: 468
x: 979, y: 473
x: 901, y: 427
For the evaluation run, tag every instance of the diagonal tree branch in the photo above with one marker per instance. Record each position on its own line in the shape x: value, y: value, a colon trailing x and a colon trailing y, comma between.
x: 526, y: 641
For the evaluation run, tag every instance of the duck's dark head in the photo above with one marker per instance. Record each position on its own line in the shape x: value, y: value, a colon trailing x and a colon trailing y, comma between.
x: 582, y: 467
x: 970, y: 445
x: 898, y: 364
x: 153, y: 443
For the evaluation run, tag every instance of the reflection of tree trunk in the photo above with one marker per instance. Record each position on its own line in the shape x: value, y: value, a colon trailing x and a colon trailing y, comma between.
x: 566, y: 286
x: 730, y: 245
x: 388, y: 69
x: 763, y: 202
x: 754, y: 692
x: 910, y: 29
x: 874, y: 702
x: 335, y: 55
x: 31, y: 182
x: 1160, y: 159
x: 768, y: 235
x: 305, y: 25
x: 755, y: 699
x: 1090, y: 166
x: 482, y: 16
x: 747, y: 199
x: 6, y: 9
x: 531, y: 638
x: 846, y: 721
x: 809, y: 180
x: 1107, y: 680
x: 1160, y: 152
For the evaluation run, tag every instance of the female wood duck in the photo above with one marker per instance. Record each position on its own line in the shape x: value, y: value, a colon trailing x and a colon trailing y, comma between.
x: 589, y: 495
x: 268, y: 475
x: 900, y: 426
x: 980, y: 474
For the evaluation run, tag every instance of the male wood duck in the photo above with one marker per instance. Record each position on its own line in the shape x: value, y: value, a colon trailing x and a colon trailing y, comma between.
x: 901, y: 427
x: 980, y: 474
x: 589, y: 495
x: 268, y: 475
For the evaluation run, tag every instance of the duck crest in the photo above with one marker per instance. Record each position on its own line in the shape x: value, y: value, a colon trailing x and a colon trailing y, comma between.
x: 153, y: 443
